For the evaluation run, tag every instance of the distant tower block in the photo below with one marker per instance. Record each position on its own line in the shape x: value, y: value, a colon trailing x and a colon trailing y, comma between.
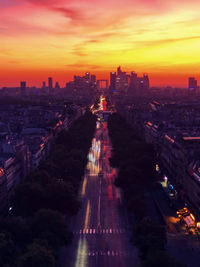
x: 113, y: 81
x: 102, y: 84
x: 57, y: 86
x: 192, y: 83
x: 23, y: 88
x: 43, y: 85
x: 93, y: 79
x: 50, y: 83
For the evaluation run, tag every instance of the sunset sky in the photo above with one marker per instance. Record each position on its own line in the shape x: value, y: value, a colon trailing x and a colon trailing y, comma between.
x: 59, y: 38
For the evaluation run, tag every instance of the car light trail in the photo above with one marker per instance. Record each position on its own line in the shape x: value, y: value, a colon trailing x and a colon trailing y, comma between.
x: 87, y: 216
x: 84, y: 187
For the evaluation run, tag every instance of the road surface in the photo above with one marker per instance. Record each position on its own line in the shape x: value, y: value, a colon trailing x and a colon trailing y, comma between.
x: 101, y: 229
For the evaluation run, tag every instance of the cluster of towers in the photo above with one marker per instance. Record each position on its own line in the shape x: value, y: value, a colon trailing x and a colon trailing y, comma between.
x: 48, y: 89
x: 121, y: 82
x: 84, y: 81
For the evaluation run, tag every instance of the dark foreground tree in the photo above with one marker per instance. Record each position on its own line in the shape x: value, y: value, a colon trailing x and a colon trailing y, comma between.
x: 61, y: 196
x: 148, y: 236
x: 160, y: 259
x: 7, y: 249
x: 36, y: 256
x: 17, y: 228
x: 51, y: 226
x: 28, y: 198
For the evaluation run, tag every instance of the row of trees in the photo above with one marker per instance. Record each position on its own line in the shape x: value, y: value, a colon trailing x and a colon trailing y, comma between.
x: 43, y: 204
x: 135, y: 161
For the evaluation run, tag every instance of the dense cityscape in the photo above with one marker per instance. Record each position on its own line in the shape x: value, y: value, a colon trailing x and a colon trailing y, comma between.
x: 114, y: 165
x: 99, y: 133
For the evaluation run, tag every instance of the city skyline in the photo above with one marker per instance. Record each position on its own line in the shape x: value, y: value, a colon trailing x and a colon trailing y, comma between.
x: 54, y: 82
x: 59, y: 38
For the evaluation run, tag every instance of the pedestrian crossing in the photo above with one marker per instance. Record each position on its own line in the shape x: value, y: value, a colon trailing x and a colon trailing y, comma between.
x: 109, y: 253
x: 93, y: 231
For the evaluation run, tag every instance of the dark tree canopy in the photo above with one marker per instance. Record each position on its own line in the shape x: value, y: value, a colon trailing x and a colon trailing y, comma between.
x: 36, y: 255
x: 43, y: 204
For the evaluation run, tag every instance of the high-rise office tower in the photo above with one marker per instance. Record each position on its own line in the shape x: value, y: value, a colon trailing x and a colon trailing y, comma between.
x: 143, y: 85
x: 57, y: 85
x: 50, y: 83
x: 119, y: 71
x: 121, y: 81
x: 113, y: 82
x: 146, y: 82
x: 23, y: 88
x: 133, y: 85
x: 93, y: 79
x: 87, y: 77
x: 192, y: 83
x: 43, y: 85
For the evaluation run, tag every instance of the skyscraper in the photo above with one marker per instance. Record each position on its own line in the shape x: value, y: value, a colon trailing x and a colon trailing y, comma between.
x: 57, y: 85
x: 93, y: 79
x: 87, y: 77
x: 50, y: 83
x: 23, y: 88
x: 119, y: 71
x: 143, y: 84
x: 133, y: 85
x: 192, y: 83
x: 121, y: 81
x: 112, y: 82
x: 43, y: 85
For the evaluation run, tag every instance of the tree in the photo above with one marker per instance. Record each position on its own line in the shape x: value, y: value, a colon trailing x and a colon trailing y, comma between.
x: 36, y: 255
x: 28, y: 198
x: 149, y: 237
x: 160, y: 259
x: 7, y: 249
x: 44, y: 174
x: 61, y: 196
x: 51, y: 226
x: 18, y: 229
x: 137, y: 205
x: 129, y: 175
x: 74, y: 168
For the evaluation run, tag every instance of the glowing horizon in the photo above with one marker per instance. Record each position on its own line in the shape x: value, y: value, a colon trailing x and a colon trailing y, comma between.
x: 60, y: 38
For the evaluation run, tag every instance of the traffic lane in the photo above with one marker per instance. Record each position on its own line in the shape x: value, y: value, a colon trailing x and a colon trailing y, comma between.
x: 113, y: 216
x: 104, y: 249
x: 100, y: 250
x: 116, y: 241
x: 82, y: 243
x: 91, y: 196
x: 110, y: 243
x: 81, y: 225
x: 73, y: 253
x: 111, y: 252
x: 102, y: 246
x: 93, y: 246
